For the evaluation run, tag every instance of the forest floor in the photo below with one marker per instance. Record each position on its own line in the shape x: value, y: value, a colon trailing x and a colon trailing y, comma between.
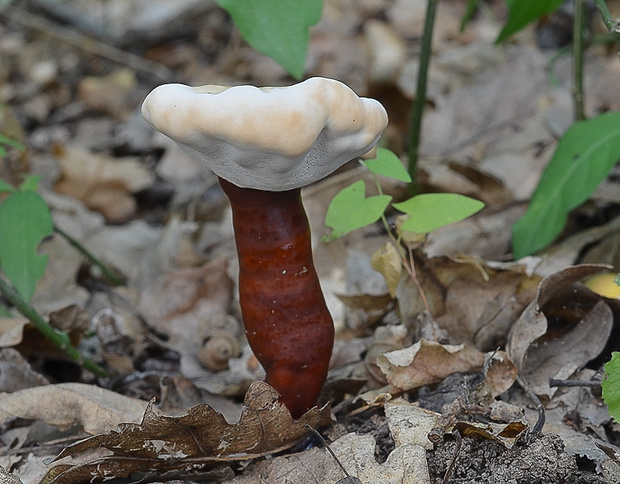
x: 456, y: 396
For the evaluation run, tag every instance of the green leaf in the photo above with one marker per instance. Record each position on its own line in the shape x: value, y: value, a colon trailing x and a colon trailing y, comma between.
x: 617, y: 279
x: 5, y: 187
x: 24, y: 220
x: 434, y: 210
x: 387, y: 164
x: 350, y: 210
x: 583, y: 158
x: 277, y: 28
x: 611, y: 386
x: 522, y: 12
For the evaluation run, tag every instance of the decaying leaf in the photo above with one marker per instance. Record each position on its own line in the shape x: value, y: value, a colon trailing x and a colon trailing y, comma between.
x: 532, y: 323
x: 410, y: 424
x: 561, y: 356
x: 201, y: 438
x: 67, y: 404
x: 387, y: 261
x: 426, y: 362
x: 103, y: 183
x: 505, y: 434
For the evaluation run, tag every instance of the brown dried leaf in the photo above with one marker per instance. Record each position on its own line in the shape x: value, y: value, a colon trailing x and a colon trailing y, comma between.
x: 201, y: 437
x: 506, y: 434
x: 387, y: 261
x: 563, y: 355
x: 67, y: 404
x: 426, y: 362
x: 103, y: 183
x: 532, y: 323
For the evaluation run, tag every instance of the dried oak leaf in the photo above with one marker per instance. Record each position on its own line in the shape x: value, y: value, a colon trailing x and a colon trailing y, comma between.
x: 427, y: 362
x: 198, y: 440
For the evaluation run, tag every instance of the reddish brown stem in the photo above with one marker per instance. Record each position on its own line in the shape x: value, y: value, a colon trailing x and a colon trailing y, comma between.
x: 286, y: 320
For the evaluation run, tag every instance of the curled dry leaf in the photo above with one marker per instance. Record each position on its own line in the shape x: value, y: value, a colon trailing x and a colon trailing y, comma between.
x: 427, y: 362
x: 505, y: 434
x: 532, y: 324
x: 201, y: 438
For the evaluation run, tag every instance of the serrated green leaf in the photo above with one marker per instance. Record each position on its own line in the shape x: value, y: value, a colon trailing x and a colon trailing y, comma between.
x: 24, y: 220
x: 350, y: 210
x: 583, y: 158
x: 5, y: 187
x: 522, y: 12
x: 431, y: 211
x: 277, y: 28
x: 388, y: 164
x: 611, y: 386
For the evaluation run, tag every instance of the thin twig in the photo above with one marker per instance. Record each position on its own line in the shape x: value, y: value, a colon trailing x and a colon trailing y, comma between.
x: 58, y: 338
x: 71, y: 37
x: 316, y: 433
x: 578, y: 46
x: 455, y: 456
x: 540, y: 423
x: 415, y: 129
x: 612, y: 24
x: 574, y: 383
x: 107, y: 272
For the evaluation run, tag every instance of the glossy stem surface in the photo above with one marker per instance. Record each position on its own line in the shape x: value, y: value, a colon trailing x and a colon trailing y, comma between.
x: 286, y: 320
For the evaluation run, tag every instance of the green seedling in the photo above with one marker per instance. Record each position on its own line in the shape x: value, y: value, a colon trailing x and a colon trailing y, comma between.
x: 351, y: 209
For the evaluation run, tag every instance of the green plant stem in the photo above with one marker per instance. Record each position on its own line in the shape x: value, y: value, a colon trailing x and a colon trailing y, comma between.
x: 58, y: 338
x: 613, y: 26
x: 113, y: 278
x: 578, y: 93
x: 417, y: 111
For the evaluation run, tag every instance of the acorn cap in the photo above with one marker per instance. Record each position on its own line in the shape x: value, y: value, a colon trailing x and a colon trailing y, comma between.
x: 271, y: 138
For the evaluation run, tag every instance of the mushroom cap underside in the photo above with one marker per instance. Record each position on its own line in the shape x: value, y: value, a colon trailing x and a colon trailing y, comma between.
x: 271, y: 139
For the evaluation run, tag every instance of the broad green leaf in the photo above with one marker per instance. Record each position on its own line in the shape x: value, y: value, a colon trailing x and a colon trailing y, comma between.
x: 24, y: 220
x: 387, y: 164
x: 277, y: 28
x: 611, y: 386
x: 522, y: 12
x: 583, y: 158
x: 431, y: 211
x: 5, y: 187
x: 350, y: 210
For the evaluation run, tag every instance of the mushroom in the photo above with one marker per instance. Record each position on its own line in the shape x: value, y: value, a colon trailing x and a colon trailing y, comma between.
x: 265, y: 144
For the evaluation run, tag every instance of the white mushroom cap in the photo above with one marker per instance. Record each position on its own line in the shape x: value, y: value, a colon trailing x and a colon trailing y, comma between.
x: 273, y: 139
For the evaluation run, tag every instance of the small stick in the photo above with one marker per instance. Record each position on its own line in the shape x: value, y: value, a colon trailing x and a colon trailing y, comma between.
x: 81, y: 41
x: 348, y: 477
x: 573, y: 383
x: 540, y: 423
x: 455, y: 456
